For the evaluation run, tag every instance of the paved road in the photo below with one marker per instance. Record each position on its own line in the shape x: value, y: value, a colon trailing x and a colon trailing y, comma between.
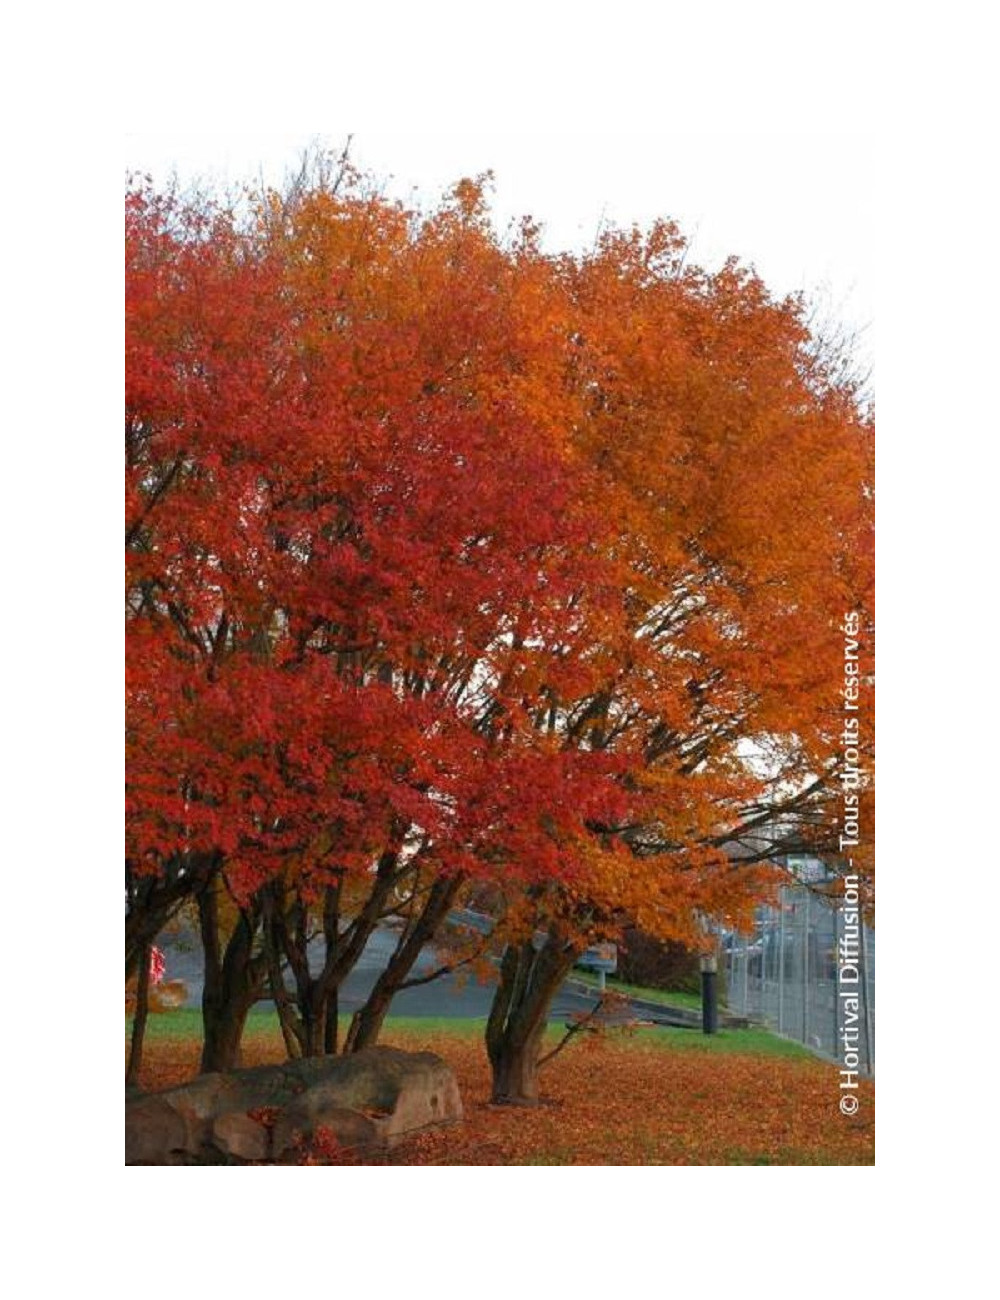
x: 450, y: 996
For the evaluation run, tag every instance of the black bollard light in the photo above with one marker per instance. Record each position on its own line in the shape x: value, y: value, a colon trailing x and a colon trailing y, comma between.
x: 709, y: 996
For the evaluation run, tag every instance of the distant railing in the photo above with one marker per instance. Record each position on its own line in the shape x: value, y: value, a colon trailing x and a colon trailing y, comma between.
x: 785, y: 974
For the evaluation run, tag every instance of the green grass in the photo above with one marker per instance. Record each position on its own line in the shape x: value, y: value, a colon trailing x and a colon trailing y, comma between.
x: 756, y: 1042
x: 185, y: 1023
x: 471, y: 1027
x: 664, y: 997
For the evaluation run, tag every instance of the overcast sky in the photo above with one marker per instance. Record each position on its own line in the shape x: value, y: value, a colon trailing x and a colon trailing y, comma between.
x: 795, y: 206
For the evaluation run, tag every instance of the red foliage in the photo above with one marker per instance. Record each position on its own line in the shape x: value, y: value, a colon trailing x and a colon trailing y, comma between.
x: 430, y: 535
x: 321, y: 1147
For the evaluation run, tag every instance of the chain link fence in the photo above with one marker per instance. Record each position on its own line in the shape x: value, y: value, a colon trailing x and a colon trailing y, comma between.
x: 785, y: 974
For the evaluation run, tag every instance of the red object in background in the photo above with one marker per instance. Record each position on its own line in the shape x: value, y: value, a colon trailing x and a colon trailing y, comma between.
x: 157, y: 965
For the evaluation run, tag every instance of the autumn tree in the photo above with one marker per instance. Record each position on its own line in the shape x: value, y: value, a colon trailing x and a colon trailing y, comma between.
x: 346, y: 520
x: 451, y: 561
x: 735, y: 474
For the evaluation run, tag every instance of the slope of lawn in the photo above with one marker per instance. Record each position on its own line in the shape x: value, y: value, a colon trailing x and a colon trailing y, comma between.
x: 666, y: 997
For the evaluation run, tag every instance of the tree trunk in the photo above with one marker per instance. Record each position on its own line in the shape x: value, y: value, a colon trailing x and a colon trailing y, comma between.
x: 314, y: 1010
x: 331, y: 937
x: 224, y: 1027
x: 141, y: 1012
x: 529, y: 980
x: 331, y: 1029
x: 311, y: 991
x: 515, y: 1068
x: 316, y: 995
x: 234, y: 979
x: 291, y: 1027
x: 367, y: 1021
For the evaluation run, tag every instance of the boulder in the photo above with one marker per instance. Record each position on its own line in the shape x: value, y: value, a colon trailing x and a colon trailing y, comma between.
x: 367, y: 1101
x: 155, y: 1131
x: 240, y: 1136
x: 305, y: 1118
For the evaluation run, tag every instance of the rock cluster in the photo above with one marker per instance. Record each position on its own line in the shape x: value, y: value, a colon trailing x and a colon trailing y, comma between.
x: 367, y: 1102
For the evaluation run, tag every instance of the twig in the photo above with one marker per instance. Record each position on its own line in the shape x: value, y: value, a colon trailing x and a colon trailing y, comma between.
x: 573, y: 1029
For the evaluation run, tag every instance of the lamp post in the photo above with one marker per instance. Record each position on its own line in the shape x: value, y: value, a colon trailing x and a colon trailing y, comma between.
x: 709, y: 995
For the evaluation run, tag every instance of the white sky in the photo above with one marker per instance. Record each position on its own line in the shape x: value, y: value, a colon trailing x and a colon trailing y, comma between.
x: 797, y: 206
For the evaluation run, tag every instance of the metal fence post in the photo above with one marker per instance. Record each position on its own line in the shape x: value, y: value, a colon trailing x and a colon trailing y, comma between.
x: 746, y: 979
x: 781, y: 960
x: 805, y: 969
x: 762, y: 940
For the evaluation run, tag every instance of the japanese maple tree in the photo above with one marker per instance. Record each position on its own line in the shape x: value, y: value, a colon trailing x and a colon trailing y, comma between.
x: 345, y: 517
x: 449, y: 560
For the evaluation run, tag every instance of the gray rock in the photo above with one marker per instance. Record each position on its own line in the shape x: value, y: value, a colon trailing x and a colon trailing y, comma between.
x: 367, y: 1101
x: 304, y: 1118
x: 240, y: 1136
x: 155, y: 1133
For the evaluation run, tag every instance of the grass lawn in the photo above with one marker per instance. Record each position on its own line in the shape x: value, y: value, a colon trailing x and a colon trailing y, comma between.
x: 665, y: 997
x: 623, y: 1097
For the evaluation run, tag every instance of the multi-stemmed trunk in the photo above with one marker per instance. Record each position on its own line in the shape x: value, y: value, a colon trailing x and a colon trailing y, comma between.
x: 274, y: 928
x: 530, y: 975
x: 309, y: 1015
x: 234, y: 978
x: 366, y: 1023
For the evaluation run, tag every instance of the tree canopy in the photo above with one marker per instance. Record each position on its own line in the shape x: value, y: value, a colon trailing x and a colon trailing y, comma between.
x: 449, y: 559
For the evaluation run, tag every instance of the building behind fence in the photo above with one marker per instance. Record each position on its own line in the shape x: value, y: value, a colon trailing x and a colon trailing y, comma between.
x: 785, y: 973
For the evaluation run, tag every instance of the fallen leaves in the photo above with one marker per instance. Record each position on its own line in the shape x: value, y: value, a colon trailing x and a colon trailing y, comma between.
x: 616, y: 1101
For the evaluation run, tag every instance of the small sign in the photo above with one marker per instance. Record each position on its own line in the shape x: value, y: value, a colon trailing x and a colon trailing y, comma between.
x: 601, y: 957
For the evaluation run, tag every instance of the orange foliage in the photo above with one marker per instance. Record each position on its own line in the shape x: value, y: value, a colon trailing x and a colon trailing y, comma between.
x: 540, y: 560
